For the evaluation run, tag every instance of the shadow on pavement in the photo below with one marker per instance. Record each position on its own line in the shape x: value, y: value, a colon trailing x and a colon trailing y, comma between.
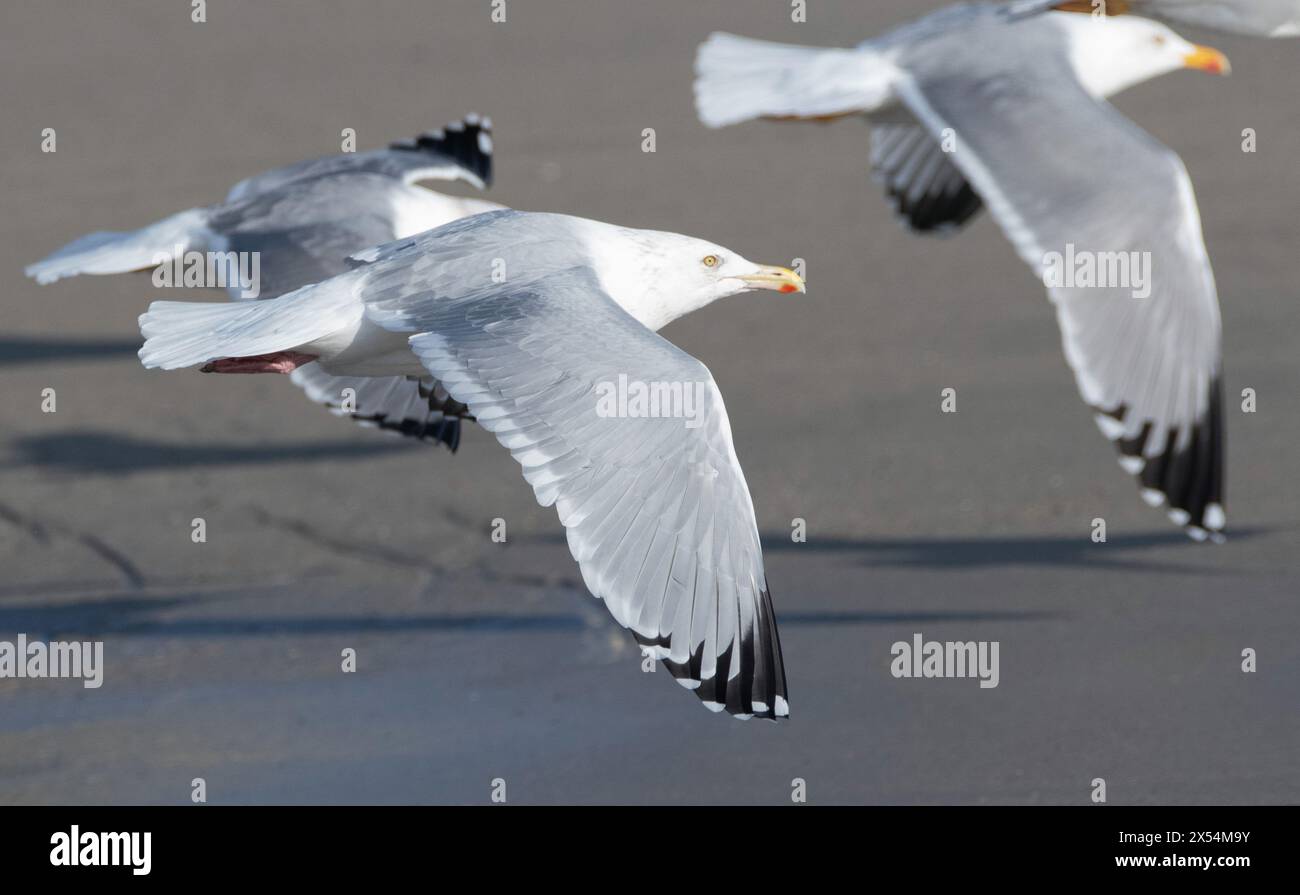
x: 1119, y: 551
x: 106, y: 452
x: 129, y: 616
x: 14, y: 352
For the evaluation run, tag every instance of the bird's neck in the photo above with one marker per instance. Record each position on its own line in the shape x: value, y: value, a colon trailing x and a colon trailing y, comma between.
x: 632, y: 275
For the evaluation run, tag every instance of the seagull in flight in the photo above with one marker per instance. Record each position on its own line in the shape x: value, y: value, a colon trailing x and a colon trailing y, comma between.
x: 983, y: 105
x: 529, y: 320
x: 303, y: 221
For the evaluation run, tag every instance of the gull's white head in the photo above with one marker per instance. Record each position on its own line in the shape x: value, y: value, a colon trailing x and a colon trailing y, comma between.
x: 1113, y: 53
x: 658, y: 277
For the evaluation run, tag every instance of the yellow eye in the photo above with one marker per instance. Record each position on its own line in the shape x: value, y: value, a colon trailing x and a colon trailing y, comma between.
x: 710, y: 260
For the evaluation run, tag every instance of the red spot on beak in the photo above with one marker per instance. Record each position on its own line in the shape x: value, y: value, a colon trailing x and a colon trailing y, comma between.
x: 789, y: 288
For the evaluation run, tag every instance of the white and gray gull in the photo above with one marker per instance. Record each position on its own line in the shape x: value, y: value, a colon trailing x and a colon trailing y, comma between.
x: 303, y: 221
x: 976, y: 105
x: 544, y: 326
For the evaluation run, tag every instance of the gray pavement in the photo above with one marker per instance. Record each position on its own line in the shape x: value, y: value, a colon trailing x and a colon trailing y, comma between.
x: 480, y: 660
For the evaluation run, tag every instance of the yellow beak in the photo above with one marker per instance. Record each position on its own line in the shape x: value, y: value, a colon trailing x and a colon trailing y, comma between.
x: 778, y: 279
x: 1208, y: 59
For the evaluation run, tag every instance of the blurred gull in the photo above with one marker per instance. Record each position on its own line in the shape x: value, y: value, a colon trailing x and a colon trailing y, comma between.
x: 301, y: 222
x: 973, y: 106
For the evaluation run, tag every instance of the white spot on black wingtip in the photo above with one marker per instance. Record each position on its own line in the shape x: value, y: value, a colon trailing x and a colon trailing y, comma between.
x: 1110, y: 427
x: 1196, y: 533
x: 1215, y: 519
x: 782, y: 708
x: 712, y: 706
x: 1152, y: 497
x: 1179, y: 516
x: 1132, y: 465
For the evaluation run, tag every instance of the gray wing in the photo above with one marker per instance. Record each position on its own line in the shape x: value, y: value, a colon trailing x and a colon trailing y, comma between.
x: 415, y: 408
x: 460, y: 151
x: 1257, y: 18
x: 1068, y: 177
x: 303, y: 233
x: 929, y: 193
x: 656, y: 508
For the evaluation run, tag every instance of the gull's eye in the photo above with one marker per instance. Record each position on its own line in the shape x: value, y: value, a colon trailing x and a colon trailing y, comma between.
x: 710, y: 260
x: 1158, y: 40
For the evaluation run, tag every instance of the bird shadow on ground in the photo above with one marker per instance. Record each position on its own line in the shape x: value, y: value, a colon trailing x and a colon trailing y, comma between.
x: 106, y: 452
x: 135, y: 616
x: 1117, y: 552
x: 130, y: 616
x: 15, y: 352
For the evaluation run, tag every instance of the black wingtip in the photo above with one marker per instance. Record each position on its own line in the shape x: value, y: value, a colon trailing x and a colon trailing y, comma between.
x: 468, y: 142
x: 756, y: 690
x: 1187, y: 476
x: 444, y: 430
x: 936, y: 214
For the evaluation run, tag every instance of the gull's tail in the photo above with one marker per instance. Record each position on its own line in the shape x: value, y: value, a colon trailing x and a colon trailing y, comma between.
x: 185, y: 334
x: 738, y: 78
x: 122, y: 251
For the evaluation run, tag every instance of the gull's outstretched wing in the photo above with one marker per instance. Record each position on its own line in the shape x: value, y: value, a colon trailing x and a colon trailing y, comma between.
x: 656, y: 508
x: 928, y: 192
x: 739, y: 78
x: 1257, y: 18
x: 1072, y: 182
x: 460, y: 151
x: 419, y: 409
x: 303, y: 232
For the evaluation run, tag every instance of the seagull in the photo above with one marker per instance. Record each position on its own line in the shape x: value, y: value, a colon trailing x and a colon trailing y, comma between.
x: 533, y: 321
x: 1255, y: 18
x: 304, y: 220
x: 974, y: 106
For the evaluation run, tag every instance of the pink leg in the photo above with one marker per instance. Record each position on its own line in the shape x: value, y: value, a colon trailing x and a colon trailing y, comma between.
x: 276, y: 362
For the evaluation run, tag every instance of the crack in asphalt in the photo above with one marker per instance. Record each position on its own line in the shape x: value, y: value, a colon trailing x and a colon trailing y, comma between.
x: 384, y: 555
x: 44, y: 533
